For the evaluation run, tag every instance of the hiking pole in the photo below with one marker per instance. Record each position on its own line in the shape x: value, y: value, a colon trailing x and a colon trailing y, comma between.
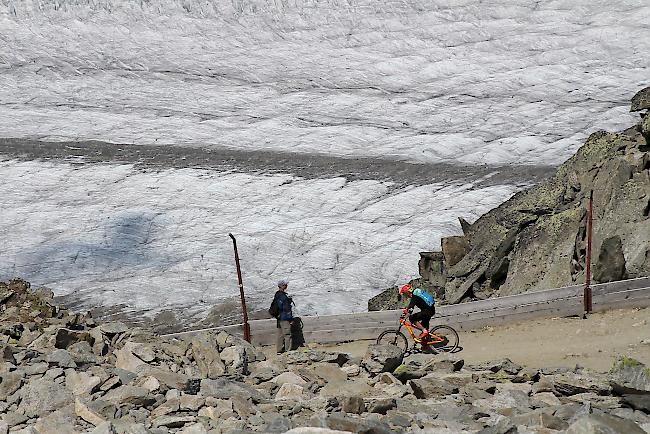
x: 587, y: 291
x: 247, y: 329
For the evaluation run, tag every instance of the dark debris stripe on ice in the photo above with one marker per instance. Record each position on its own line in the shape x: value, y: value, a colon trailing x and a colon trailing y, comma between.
x: 309, y: 166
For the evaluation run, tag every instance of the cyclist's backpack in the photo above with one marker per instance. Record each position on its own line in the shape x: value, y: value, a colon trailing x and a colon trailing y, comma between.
x: 274, y: 310
x: 428, y: 298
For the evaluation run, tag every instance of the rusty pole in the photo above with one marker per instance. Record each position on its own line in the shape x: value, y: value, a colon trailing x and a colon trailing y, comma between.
x: 247, y: 329
x: 587, y: 292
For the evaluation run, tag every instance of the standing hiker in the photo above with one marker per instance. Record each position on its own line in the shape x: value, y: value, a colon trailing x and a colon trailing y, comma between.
x: 281, y: 310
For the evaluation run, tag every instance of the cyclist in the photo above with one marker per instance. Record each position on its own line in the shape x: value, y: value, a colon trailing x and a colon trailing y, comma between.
x: 425, y: 302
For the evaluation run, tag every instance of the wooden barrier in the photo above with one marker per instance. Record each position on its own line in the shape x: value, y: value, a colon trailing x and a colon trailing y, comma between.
x: 557, y: 302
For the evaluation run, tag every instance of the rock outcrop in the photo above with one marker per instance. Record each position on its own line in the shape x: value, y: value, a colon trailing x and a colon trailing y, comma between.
x: 641, y: 103
x: 537, y: 239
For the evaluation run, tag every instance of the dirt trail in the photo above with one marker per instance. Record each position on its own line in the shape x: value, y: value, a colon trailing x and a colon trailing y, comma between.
x: 594, y: 342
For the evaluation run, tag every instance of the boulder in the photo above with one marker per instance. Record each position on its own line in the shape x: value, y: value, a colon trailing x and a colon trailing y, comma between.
x: 382, y: 358
x: 290, y: 391
x: 461, y: 379
x: 507, y: 403
x: 144, y: 353
x: 41, y: 396
x: 100, y: 346
x: 629, y: 376
x: 64, y: 338
x: 150, y: 383
x: 86, y: 413
x: 28, y: 337
x: 105, y: 428
x: 323, y: 373
x: 216, y: 410
x: 81, y: 383
x: 36, y: 368
x: 645, y: 128
x: 197, y: 428
x: 9, y: 383
x: 62, y: 421
x: 206, y: 355
x: 127, y: 426
x: 191, y: 402
x: 61, y: 358
x: 603, y: 424
x: 289, y: 377
x: 454, y: 249
x: 310, y: 356
x: 353, y: 404
x: 12, y: 418
x: 502, y: 426
x: 432, y: 270
x: 381, y: 405
x: 53, y: 373
x: 431, y: 386
x: 540, y: 418
x: 173, y: 421
x: 351, y: 370
x: 113, y: 328
x: 235, y: 359
x: 418, y: 365
x: 357, y: 387
x: 168, y: 379
x: 641, y: 100
x: 610, y: 265
x: 571, y: 383
x: 126, y: 359
x: 244, y: 407
x: 314, y: 430
x: 501, y: 365
x: 110, y: 383
x: 171, y: 405
x: 82, y: 354
x: 593, y: 400
x: 26, y: 430
x: 223, y: 388
x: 640, y: 402
x: 350, y: 423
x: 544, y: 399
x: 128, y: 394
x: 7, y: 353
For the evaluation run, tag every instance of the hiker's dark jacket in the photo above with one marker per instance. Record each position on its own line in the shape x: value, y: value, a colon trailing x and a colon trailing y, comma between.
x: 284, y: 306
x: 420, y: 303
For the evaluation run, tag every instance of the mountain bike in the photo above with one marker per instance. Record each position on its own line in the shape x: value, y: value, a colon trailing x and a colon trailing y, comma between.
x: 440, y: 338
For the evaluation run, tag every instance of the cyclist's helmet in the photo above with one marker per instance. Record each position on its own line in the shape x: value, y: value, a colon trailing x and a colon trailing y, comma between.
x: 406, y: 289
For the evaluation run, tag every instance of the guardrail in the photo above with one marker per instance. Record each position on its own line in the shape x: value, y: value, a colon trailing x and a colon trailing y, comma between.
x: 474, y: 315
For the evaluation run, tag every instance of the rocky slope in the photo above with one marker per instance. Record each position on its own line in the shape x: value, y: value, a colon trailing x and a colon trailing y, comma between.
x: 537, y: 239
x: 62, y: 373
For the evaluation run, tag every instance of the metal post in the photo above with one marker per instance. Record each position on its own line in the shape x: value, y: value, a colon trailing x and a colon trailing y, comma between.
x: 247, y: 329
x: 587, y: 292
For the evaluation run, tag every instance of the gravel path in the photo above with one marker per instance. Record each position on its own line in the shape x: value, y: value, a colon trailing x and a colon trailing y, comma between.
x: 593, y: 343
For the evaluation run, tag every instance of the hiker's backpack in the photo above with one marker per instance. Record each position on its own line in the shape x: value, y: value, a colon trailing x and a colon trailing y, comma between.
x: 428, y: 298
x: 274, y: 310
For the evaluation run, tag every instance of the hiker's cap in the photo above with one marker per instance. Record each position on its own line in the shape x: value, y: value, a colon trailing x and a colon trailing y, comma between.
x: 283, y: 282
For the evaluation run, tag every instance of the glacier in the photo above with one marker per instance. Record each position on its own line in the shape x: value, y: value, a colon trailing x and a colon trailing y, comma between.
x: 504, y: 87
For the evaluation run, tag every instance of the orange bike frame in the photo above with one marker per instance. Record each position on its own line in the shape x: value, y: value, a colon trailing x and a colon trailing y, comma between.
x: 433, y: 338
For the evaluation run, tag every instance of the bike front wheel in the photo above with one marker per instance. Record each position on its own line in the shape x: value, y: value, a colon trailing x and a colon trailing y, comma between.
x: 448, y: 336
x: 393, y: 337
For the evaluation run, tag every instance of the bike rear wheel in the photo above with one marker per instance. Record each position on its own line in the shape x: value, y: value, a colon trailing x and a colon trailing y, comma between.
x: 393, y: 337
x: 449, y: 339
